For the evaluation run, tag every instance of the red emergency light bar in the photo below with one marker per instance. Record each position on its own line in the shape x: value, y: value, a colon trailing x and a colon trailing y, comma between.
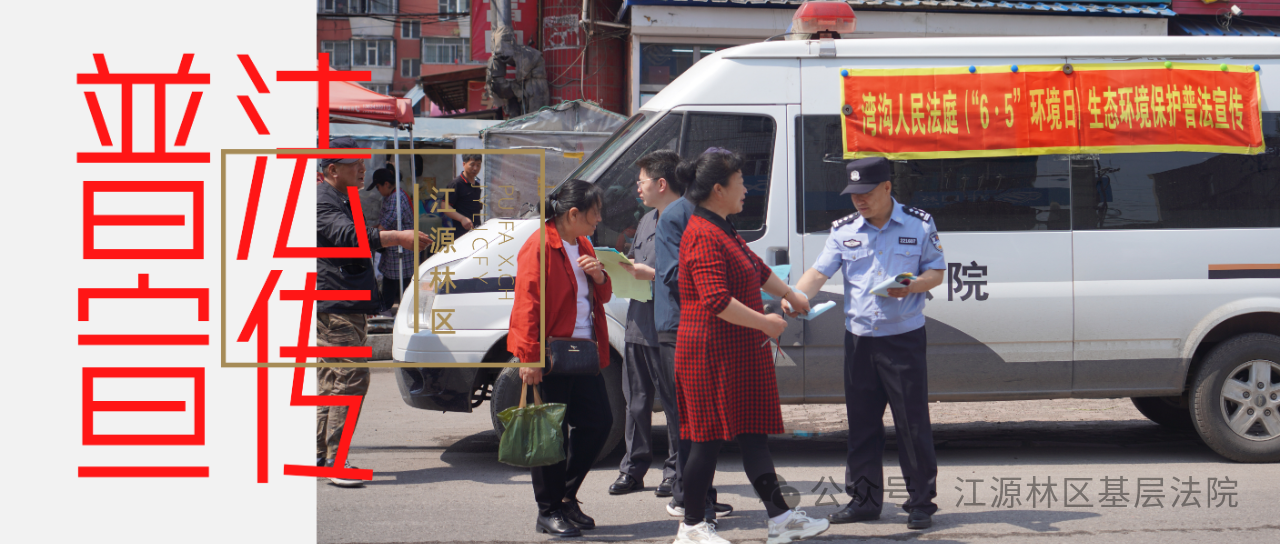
x: 824, y: 19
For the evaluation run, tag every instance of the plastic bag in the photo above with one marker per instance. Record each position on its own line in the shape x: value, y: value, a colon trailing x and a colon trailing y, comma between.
x: 532, y: 435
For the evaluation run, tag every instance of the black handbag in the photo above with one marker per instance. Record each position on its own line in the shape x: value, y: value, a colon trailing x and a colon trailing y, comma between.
x: 572, y: 356
x: 567, y: 356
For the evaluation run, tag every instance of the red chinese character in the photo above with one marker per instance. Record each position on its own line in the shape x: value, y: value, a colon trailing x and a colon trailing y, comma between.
x: 282, y: 249
x: 144, y: 290
x: 126, y: 82
x: 322, y: 76
x: 308, y: 297
x: 90, y: 406
x: 92, y: 219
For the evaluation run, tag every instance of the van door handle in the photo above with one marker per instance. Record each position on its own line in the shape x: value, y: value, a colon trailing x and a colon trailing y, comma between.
x: 780, y: 256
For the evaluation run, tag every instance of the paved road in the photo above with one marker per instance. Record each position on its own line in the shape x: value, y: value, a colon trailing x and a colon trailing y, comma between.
x: 436, y: 479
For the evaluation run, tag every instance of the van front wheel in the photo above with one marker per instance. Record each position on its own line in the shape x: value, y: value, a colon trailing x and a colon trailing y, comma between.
x: 506, y: 393
x: 1236, y: 399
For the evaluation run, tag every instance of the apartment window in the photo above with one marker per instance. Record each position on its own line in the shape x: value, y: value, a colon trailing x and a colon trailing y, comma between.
x: 332, y: 6
x: 454, y: 6
x: 410, y: 29
x: 410, y: 68
x: 380, y: 88
x: 339, y: 54
x: 378, y: 6
x: 371, y: 52
x: 446, y: 50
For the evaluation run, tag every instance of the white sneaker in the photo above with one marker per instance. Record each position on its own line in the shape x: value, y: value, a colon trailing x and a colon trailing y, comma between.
x: 344, y: 482
x: 798, y: 526
x: 678, y: 512
x: 702, y: 533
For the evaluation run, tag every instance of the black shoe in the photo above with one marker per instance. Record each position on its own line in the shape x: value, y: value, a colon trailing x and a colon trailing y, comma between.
x: 574, y: 514
x: 849, y: 515
x: 919, y: 520
x: 556, y: 525
x: 625, y: 484
x: 664, y: 488
x: 722, y: 509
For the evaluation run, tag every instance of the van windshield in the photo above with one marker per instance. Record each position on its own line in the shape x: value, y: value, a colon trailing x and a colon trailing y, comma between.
x: 596, y: 163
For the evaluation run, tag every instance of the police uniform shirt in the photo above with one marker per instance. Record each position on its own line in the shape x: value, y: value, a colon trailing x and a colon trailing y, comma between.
x: 868, y: 256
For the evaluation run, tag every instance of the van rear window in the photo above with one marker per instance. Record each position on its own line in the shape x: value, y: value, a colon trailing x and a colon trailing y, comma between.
x: 1180, y: 190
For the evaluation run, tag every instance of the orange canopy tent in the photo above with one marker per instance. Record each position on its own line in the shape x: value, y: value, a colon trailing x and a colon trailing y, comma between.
x: 349, y: 102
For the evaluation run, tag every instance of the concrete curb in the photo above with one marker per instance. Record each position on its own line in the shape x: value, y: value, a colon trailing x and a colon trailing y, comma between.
x: 381, y: 344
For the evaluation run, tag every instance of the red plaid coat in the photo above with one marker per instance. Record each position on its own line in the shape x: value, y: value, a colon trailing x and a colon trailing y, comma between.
x: 725, y: 381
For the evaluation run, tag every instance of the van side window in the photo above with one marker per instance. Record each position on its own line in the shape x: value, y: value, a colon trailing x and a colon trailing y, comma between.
x: 982, y: 194
x: 752, y: 136
x: 1180, y: 190
x: 622, y: 209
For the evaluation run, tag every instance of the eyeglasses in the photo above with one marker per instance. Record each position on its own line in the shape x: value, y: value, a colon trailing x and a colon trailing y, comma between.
x: 646, y: 179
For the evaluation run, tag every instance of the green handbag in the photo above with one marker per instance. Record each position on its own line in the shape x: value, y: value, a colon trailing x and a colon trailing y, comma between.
x: 532, y: 436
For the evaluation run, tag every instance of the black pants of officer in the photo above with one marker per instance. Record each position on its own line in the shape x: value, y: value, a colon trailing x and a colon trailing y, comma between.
x: 587, y: 421
x: 645, y: 374
x: 888, y: 370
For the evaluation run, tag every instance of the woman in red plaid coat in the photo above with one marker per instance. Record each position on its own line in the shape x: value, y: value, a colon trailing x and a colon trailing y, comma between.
x: 725, y: 382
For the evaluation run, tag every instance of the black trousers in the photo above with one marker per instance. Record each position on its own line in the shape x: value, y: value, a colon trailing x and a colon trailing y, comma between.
x: 646, y: 373
x: 587, y: 421
x: 888, y: 370
x: 392, y: 289
x: 756, y: 462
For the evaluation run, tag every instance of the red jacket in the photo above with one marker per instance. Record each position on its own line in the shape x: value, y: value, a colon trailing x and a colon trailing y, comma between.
x: 562, y: 291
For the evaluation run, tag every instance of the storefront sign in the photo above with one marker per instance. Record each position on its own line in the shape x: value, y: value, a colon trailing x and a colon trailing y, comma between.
x: 993, y: 111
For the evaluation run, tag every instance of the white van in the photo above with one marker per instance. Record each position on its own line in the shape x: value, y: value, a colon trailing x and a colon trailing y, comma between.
x: 1154, y: 276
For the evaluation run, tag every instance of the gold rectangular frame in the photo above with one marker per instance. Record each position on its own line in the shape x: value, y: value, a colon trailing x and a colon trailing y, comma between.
x: 542, y: 236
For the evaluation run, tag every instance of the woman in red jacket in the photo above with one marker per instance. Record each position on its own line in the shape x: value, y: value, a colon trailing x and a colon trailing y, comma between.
x: 725, y: 382
x: 576, y: 290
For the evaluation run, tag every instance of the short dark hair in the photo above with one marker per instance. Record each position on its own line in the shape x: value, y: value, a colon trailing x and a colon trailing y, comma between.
x: 383, y: 175
x: 713, y: 167
x: 662, y: 164
x: 472, y: 157
x: 574, y: 193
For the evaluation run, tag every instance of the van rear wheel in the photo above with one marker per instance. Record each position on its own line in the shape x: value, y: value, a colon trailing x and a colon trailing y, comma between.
x: 1168, y: 412
x: 1236, y: 399
x: 506, y: 393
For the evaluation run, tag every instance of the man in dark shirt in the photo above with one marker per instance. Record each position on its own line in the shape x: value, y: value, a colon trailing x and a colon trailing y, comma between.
x: 462, y: 204
x: 342, y: 322
x: 643, y: 369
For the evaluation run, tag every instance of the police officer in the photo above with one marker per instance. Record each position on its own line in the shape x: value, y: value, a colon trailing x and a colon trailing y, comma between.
x: 884, y: 357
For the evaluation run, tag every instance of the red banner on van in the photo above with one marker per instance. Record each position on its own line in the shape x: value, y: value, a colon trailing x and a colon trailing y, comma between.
x: 995, y: 111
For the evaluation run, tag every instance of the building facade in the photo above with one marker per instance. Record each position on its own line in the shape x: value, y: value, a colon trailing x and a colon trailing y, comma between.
x: 397, y: 41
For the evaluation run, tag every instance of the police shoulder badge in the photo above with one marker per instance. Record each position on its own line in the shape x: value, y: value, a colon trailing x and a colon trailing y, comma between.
x: 844, y: 220
x: 936, y: 242
x: 917, y: 213
x: 852, y: 243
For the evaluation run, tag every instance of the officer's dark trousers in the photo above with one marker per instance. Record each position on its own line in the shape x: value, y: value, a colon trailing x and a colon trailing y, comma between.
x: 888, y: 370
x: 587, y: 421
x: 644, y: 374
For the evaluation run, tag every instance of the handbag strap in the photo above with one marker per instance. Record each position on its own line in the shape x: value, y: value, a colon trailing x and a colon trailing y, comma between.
x: 524, y: 391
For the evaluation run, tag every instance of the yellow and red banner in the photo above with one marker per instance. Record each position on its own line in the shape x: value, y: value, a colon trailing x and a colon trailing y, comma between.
x: 995, y: 111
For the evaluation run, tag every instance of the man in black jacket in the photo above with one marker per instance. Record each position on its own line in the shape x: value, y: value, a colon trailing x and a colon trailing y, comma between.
x: 342, y: 322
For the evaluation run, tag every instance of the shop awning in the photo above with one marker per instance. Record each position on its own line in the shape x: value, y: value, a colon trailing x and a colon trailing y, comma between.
x: 449, y: 90
x: 349, y: 99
